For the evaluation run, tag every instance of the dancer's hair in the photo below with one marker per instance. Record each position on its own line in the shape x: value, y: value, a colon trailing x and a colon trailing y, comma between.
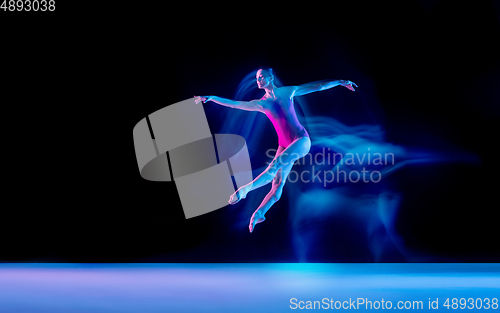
x: 269, y: 70
x: 247, y: 89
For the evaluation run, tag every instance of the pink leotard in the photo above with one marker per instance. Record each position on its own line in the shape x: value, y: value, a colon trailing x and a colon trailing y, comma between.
x: 282, y: 115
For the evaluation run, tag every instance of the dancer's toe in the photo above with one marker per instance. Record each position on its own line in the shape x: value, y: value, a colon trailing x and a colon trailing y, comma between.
x: 237, y: 196
x: 255, y: 219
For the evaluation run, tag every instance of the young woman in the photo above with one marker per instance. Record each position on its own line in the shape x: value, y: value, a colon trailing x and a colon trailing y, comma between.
x: 294, y: 141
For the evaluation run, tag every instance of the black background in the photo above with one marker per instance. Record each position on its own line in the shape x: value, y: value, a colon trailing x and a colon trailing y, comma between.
x: 77, y: 83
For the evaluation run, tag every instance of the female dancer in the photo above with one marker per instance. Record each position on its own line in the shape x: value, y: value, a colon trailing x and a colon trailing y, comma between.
x: 294, y: 142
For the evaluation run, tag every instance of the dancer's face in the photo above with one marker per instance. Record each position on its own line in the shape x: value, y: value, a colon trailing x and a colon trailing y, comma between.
x: 263, y: 78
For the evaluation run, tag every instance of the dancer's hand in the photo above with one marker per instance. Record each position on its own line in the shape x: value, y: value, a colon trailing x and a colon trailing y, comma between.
x: 348, y: 84
x: 203, y: 98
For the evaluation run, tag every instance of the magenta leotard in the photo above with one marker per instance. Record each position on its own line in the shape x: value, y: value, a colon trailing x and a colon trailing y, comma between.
x: 282, y: 115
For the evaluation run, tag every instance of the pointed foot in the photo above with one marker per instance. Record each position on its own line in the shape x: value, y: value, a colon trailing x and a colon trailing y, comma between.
x: 256, y: 218
x: 238, y: 195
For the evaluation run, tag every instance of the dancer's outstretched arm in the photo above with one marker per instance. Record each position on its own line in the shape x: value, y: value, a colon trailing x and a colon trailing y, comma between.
x: 321, y: 85
x: 253, y: 105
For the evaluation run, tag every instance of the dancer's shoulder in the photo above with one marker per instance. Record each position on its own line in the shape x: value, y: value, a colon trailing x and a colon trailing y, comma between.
x: 287, y: 91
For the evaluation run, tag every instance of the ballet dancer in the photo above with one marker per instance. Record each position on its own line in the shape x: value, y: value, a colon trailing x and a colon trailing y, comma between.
x: 294, y: 141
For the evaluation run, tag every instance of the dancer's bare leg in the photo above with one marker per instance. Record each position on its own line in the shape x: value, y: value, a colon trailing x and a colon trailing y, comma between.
x: 272, y: 197
x: 242, y: 192
x: 294, y: 151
